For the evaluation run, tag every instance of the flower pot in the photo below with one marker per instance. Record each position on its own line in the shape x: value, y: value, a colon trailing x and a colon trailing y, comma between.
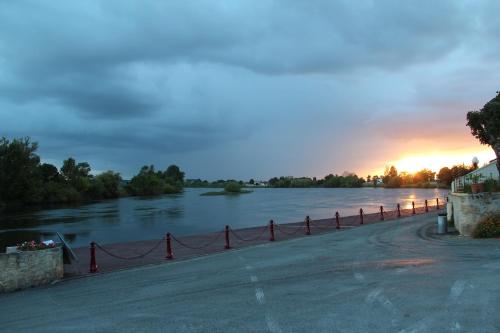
x: 11, y: 249
x: 477, y: 188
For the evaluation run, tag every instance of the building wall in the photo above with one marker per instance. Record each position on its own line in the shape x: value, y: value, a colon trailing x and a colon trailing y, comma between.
x: 31, y: 268
x: 467, y: 210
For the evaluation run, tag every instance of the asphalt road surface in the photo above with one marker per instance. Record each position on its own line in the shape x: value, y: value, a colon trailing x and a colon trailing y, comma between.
x: 396, y: 276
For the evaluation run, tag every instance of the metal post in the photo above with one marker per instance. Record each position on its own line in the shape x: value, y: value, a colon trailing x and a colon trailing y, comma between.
x: 361, y: 215
x: 381, y: 213
x: 437, y: 203
x: 413, y: 207
x: 93, y: 264
x: 426, y: 206
x: 308, y: 227
x: 227, y: 246
x: 169, y: 255
x: 399, y: 210
x: 337, y: 220
x: 271, y: 230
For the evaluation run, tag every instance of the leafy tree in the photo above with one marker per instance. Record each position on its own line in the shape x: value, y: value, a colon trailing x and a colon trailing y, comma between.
x: 251, y: 181
x: 107, y: 185
x: 149, y: 182
x: 459, y: 171
x: 406, y: 178
x: 49, y: 173
x: 174, y: 173
x: 445, y: 175
x: 146, y: 182
x: 485, y: 125
x: 20, y: 180
x: 424, y: 175
x: 233, y: 187
x: 77, y: 175
x: 390, y: 174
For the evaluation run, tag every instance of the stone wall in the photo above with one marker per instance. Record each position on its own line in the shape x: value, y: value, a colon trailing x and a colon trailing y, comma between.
x: 31, y: 268
x: 466, y: 210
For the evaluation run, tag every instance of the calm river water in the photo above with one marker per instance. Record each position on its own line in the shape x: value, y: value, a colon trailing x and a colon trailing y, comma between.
x: 132, y: 218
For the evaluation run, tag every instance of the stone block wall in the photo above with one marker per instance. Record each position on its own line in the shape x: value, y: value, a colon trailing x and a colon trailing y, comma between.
x: 30, y: 268
x: 466, y: 210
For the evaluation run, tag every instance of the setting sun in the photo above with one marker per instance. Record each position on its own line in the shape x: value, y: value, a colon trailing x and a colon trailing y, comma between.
x: 437, y: 160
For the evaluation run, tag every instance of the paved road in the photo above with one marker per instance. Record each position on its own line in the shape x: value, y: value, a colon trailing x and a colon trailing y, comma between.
x: 395, y: 276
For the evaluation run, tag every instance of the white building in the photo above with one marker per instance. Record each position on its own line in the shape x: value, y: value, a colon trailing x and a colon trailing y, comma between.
x: 489, y: 171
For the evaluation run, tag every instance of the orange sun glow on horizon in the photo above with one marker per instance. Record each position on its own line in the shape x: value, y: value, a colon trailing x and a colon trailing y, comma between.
x: 437, y: 160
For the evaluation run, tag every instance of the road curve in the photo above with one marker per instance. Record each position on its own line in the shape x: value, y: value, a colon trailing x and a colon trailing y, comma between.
x: 395, y: 276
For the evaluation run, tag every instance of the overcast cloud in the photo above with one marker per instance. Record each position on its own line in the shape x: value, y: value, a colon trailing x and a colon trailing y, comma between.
x: 245, y: 88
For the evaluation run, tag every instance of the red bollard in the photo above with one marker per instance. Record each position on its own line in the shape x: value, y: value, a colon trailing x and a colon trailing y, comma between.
x: 426, y: 206
x: 399, y: 210
x: 361, y: 215
x: 413, y: 207
x: 308, y: 227
x: 93, y: 264
x: 227, y: 246
x: 437, y: 203
x: 169, y: 255
x: 337, y: 220
x: 271, y: 230
x: 381, y: 213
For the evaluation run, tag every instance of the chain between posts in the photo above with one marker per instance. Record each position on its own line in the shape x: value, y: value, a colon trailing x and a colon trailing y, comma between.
x: 297, y: 229
x: 129, y: 258
x: 238, y: 237
x: 321, y: 227
x: 227, y: 230
x: 198, y: 247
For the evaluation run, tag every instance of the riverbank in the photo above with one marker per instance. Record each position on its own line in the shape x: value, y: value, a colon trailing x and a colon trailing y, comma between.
x: 112, y: 257
x: 135, y: 218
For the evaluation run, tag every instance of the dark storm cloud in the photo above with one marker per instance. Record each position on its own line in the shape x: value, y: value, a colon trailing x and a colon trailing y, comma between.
x: 177, y: 77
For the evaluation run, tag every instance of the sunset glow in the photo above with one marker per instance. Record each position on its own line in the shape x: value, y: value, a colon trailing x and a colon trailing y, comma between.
x: 437, y: 160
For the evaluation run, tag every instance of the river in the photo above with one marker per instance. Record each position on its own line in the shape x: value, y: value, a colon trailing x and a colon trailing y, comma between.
x: 133, y: 218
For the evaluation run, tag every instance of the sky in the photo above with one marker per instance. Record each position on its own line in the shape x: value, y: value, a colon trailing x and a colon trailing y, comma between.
x: 249, y: 89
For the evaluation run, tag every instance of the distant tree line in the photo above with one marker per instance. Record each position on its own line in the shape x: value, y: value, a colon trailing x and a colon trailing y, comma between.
x: 221, y: 183
x: 424, y: 178
x: 346, y: 180
x: 24, y: 180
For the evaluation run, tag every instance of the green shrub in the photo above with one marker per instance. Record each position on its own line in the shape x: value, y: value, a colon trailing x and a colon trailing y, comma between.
x: 489, y: 227
x: 171, y: 189
x: 232, y: 187
x: 467, y: 189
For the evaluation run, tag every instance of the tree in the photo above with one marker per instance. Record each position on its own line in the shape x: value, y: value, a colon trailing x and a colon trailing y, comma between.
x: 149, y: 182
x: 107, y: 185
x: 20, y: 181
x: 485, y: 125
x: 445, y: 175
x: 389, y: 174
x: 369, y: 179
x: 77, y: 175
x: 174, y: 173
x: 424, y: 175
x: 406, y: 178
x: 251, y: 181
x: 233, y: 187
x: 459, y: 171
x: 49, y: 173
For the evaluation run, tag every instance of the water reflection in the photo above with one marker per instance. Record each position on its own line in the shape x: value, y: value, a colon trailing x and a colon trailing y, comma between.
x: 133, y: 218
